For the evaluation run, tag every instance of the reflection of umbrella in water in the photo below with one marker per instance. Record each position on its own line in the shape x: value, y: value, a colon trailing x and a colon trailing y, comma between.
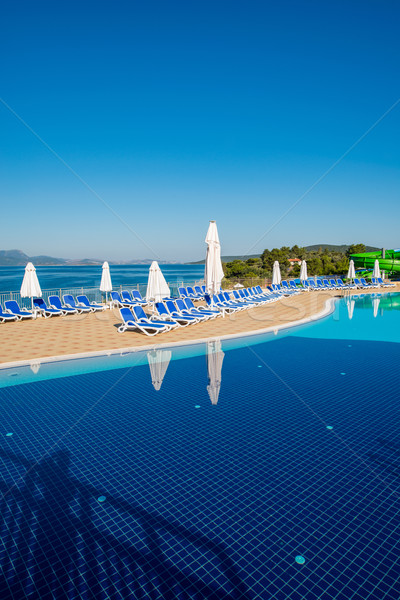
x: 350, y: 308
x: 215, y: 358
x: 158, y: 363
x: 35, y: 366
x: 375, y: 305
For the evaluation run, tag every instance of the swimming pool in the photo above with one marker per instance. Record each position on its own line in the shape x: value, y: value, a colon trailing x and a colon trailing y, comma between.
x: 265, y: 467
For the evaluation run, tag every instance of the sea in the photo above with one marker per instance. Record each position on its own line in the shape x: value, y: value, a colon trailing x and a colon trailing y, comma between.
x: 89, y: 276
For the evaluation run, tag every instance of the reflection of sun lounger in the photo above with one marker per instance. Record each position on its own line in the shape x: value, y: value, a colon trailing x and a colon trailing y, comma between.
x: 40, y: 306
x: 55, y: 302
x: 13, y: 308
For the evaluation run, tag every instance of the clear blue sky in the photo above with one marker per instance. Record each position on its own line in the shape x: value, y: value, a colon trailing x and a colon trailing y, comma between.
x: 175, y: 113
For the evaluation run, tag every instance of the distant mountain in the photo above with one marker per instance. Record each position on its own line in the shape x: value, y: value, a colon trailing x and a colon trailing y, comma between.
x: 226, y: 259
x: 17, y: 258
x: 315, y: 247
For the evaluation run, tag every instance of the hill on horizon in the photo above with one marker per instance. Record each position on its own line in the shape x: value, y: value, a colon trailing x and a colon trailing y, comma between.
x: 314, y: 247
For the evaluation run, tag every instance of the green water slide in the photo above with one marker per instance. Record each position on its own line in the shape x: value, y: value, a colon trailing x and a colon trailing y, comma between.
x: 389, y: 260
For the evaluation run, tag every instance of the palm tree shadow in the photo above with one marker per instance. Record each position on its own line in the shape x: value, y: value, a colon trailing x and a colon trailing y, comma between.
x: 59, y: 541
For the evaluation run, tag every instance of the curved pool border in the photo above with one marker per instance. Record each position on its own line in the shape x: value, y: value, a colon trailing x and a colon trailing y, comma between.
x: 328, y: 309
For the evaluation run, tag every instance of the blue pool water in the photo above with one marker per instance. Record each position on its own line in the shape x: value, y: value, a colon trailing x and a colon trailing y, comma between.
x: 265, y: 467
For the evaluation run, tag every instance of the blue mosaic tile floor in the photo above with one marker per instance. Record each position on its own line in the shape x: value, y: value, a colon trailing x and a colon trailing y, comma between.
x: 287, y: 488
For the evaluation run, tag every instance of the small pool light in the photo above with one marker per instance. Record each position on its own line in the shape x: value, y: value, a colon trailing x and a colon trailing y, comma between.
x: 300, y: 559
x: 343, y: 373
x: 9, y: 434
x: 101, y: 499
x: 197, y: 406
x: 329, y: 427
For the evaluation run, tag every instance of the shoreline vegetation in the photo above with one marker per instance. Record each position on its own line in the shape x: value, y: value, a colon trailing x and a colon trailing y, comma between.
x: 321, y: 260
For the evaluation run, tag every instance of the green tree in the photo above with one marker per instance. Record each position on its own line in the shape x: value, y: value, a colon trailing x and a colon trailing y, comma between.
x: 355, y: 249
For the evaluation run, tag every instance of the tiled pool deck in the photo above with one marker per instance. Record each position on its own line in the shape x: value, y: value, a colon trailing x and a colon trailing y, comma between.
x: 98, y: 332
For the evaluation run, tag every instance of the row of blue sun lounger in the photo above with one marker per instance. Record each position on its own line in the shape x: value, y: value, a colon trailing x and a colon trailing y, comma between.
x: 54, y: 307
x: 181, y: 312
x: 331, y: 284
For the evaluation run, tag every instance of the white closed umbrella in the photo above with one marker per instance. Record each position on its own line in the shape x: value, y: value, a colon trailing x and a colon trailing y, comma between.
x: 276, y: 274
x: 215, y: 358
x: 376, y: 272
x: 158, y: 363
x: 214, y: 273
x: 303, y: 271
x: 30, y: 287
x: 350, y: 308
x: 105, y: 284
x: 351, y: 273
x: 375, y: 305
x: 157, y: 287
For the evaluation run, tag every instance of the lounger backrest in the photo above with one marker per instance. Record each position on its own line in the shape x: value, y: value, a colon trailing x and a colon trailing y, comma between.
x: 207, y: 298
x: 139, y: 312
x: 161, y: 308
x: 136, y: 294
x: 68, y: 299
x: 203, y: 289
x: 191, y: 290
x: 55, y: 301
x: 179, y: 303
x: 189, y: 303
x: 126, y: 314
x: 293, y: 285
x: 13, y: 306
x: 236, y: 295
x: 182, y: 291
x: 126, y: 295
x: 339, y: 281
x: 325, y: 282
x: 285, y: 284
x: 170, y: 306
x: 357, y: 281
x: 363, y: 280
x: 380, y: 280
x: 39, y: 302
x: 312, y: 283
x: 83, y: 300
x: 332, y: 282
x: 114, y: 295
x: 198, y: 290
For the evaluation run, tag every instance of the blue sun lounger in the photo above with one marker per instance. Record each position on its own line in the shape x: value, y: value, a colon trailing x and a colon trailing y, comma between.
x: 12, y: 307
x: 41, y: 306
x: 200, y: 309
x: 84, y: 301
x: 70, y: 301
x: 7, y: 316
x: 121, y: 302
x: 183, y: 309
x: 177, y: 315
x: 165, y: 315
x: 141, y: 317
x: 138, y: 298
x: 380, y: 282
x: 130, y: 322
x: 55, y: 302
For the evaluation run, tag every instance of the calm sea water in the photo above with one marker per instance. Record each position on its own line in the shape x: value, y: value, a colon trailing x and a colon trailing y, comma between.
x: 52, y: 277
